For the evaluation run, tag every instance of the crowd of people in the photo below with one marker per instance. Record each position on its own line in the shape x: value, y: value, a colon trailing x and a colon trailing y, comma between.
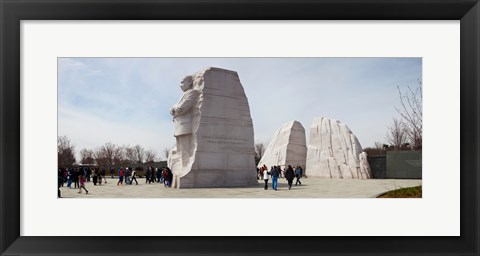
x: 152, y: 175
x: 76, y: 177
x: 276, y: 172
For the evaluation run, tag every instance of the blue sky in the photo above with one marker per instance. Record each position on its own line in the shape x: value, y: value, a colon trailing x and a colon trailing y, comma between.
x: 126, y: 101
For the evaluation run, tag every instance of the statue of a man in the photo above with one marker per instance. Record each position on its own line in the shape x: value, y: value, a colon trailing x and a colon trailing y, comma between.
x: 182, y: 113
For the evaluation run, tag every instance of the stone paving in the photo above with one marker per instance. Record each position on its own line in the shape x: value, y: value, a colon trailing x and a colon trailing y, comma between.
x: 310, y: 188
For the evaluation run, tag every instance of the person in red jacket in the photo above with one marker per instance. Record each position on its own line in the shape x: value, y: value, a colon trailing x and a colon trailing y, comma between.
x: 81, y: 179
x: 120, y: 177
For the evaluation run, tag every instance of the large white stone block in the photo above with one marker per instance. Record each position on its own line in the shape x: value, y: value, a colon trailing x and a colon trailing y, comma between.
x: 173, y: 160
x: 334, y: 152
x: 287, y: 147
x: 217, y: 147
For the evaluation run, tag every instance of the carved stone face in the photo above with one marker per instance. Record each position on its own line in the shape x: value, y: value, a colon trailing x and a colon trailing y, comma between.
x: 186, y: 83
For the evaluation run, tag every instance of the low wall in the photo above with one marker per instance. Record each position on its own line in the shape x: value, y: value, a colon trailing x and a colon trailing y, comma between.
x: 397, y: 165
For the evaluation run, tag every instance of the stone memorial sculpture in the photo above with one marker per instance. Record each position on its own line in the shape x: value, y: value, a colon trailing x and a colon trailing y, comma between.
x: 173, y: 159
x: 182, y: 113
x: 214, y: 132
x: 335, y: 152
x: 364, y: 165
x: 287, y: 147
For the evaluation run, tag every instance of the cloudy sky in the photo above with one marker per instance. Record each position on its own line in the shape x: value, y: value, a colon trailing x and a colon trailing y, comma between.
x: 126, y: 101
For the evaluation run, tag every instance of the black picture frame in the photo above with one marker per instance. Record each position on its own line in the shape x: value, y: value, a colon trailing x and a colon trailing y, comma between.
x: 13, y: 11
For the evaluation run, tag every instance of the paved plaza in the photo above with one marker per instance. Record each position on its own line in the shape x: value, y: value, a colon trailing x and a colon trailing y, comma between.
x: 310, y: 188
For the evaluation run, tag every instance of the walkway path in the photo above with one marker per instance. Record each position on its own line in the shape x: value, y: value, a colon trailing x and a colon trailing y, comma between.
x: 310, y: 188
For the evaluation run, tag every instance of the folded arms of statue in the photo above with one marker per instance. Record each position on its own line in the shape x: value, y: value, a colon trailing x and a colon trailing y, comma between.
x: 185, y: 103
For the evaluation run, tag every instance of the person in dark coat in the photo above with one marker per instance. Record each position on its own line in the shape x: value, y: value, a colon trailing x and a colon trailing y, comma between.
x: 88, y: 173
x: 147, y: 175
x: 289, y: 175
x: 76, y: 173
x: 60, y: 182
x: 169, y: 177
x: 298, y: 174
x: 164, y: 176
x: 159, y: 175
x: 95, y: 178
x: 275, y: 174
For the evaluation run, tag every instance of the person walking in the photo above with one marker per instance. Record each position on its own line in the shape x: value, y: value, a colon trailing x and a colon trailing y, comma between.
x: 60, y: 181
x: 266, y: 174
x: 76, y: 174
x: 169, y: 178
x: 95, y: 178
x: 275, y: 175
x: 289, y: 175
x: 159, y: 176
x: 120, y: 177
x: 147, y: 175
x: 164, y: 176
x: 81, y: 178
x: 134, y: 177
x: 99, y: 176
x: 103, y: 175
x: 88, y: 172
x: 153, y: 175
x: 298, y: 175
x: 127, y: 176
x: 262, y: 170
x: 60, y: 177
x: 69, y: 178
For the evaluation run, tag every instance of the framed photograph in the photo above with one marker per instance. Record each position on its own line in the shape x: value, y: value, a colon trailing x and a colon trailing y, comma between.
x: 55, y: 54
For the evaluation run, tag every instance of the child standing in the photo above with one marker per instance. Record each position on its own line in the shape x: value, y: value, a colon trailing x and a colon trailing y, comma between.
x: 81, y: 179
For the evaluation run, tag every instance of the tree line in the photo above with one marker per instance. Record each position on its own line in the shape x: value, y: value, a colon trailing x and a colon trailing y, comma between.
x: 405, y: 131
x: 107, y: 155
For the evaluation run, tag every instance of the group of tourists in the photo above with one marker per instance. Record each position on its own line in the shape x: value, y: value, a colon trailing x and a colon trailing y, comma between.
x: 98, y: 176
x: 129, y: 175
x: 72, y: 176
x: 276, y: 172
x: 76, y: 176
x: 152, y: 175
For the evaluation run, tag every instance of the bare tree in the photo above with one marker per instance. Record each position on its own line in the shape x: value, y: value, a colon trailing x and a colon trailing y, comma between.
x: 101, y: 159
x: 259, y: 150
x: 411, y: 111
x: 109, y: 154
x: 396, y: 134
x: 150, y: 156
x: 166, y: 152
x: 129, y: 154
x: 118, y: 155
x: 65, y: 151
x: 139, y: 154
x: 87, y: 156
x: 377, y: 150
